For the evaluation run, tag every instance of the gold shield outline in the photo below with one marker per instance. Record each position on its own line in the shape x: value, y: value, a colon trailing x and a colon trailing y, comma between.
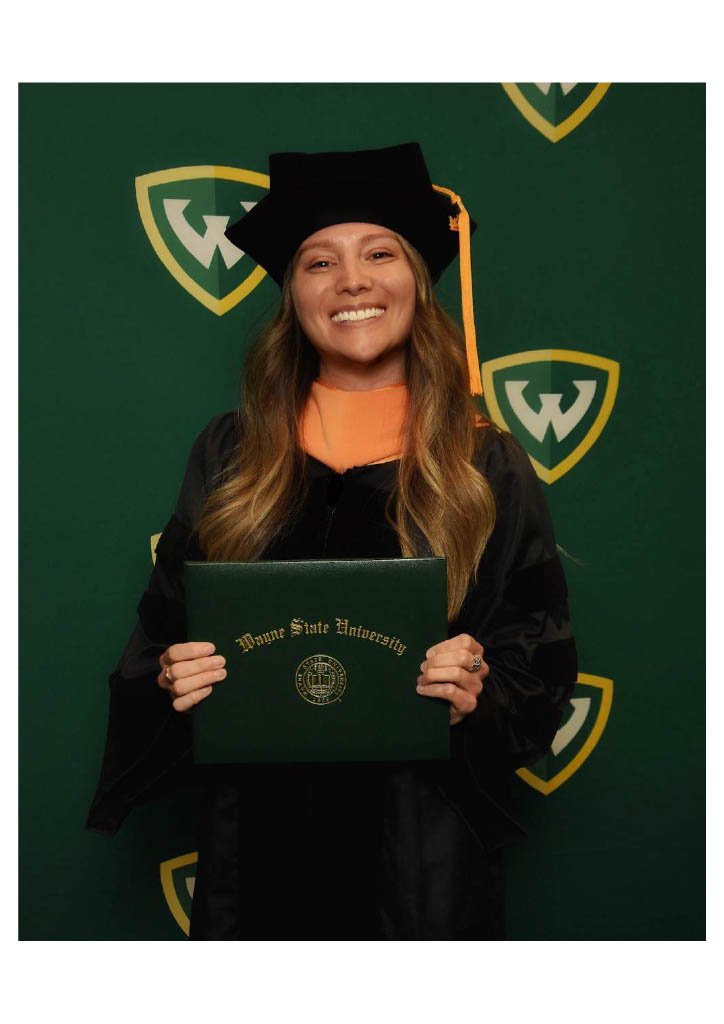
x: 551, y: 131
x: 488, y: 368
x: 145, y: 181
x: 167, y: 869
x: 547, y: 787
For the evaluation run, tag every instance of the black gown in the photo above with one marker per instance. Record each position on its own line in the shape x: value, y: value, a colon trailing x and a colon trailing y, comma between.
x: 409, y: 851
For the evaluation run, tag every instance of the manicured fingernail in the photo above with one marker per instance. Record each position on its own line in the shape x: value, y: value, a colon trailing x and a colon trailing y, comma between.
x: 207, y: 690
x: 221, y: 673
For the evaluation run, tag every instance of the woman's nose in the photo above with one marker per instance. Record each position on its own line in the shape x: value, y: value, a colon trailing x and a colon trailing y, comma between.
x: 352, y: 277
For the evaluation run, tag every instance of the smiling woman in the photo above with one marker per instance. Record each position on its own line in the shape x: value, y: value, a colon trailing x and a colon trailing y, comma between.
x: 357, y: 438
x: 354, y: 295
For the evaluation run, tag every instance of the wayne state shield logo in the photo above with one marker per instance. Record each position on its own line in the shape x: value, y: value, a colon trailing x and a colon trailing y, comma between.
x: 582, y: 727
x: 554, y: 401
x: 178, y: 876
x: 185, y: 211
x: 555, y: 108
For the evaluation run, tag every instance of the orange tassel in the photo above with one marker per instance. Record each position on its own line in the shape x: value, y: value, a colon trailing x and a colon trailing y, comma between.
x: 461, y: 224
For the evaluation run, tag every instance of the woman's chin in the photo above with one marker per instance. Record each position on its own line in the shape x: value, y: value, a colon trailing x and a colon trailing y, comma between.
x: 363, y: 361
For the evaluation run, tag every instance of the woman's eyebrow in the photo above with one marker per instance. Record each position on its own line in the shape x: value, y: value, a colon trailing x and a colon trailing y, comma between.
x: 328, y: 243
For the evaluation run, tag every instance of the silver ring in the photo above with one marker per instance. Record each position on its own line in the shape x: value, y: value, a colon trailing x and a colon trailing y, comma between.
x: 477, y: 662
x: 168, y: 677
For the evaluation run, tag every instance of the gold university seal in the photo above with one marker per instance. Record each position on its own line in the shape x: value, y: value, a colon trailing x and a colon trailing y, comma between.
x: 320, y: 679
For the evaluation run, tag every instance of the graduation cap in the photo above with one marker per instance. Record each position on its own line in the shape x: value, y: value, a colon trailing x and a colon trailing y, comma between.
x: 390, y: 187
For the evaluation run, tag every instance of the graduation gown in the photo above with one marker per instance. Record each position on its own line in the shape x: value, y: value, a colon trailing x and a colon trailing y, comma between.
x: 407, y: 851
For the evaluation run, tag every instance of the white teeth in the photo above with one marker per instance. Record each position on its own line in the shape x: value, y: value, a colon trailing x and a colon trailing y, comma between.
x: 357, y: 314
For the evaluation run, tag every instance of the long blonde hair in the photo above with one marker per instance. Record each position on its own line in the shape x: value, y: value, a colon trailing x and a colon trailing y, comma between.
x: 441, y: 504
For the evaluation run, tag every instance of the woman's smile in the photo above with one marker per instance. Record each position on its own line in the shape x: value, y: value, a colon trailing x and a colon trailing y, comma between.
x: 358, y: 316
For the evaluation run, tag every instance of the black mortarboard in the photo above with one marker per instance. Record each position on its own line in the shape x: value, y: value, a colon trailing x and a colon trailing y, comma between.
x: 390, y: 186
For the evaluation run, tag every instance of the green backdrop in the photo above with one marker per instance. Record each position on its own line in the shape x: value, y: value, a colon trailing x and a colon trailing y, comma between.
x: 591, y: 243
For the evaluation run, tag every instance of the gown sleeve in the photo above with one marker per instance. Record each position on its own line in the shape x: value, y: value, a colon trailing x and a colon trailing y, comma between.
x: 518, y: 611
x: 148, y: 744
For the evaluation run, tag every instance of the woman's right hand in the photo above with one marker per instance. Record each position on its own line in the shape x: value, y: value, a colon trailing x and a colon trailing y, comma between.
x: 188, y: 672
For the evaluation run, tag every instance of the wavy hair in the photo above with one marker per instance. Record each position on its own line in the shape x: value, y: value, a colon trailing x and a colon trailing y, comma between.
x: 441, y: 504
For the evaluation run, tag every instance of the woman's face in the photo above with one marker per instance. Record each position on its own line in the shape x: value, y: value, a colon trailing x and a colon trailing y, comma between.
x: 354, y: 294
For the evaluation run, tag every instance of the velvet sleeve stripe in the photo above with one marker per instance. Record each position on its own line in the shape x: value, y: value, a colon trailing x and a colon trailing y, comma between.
x: 538, y: 586
x: 171, y: 547
x: 163, y: 619
x: 556, y: 662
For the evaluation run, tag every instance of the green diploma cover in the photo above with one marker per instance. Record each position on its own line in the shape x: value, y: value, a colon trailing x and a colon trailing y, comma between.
x: 322, y: 659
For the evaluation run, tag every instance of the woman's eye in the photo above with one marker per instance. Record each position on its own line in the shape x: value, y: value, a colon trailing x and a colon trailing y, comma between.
x: 380, y: 252
x: 319, y: 263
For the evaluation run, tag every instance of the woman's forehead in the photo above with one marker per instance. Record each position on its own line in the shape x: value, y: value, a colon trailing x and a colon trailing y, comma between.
x: 347, y: 233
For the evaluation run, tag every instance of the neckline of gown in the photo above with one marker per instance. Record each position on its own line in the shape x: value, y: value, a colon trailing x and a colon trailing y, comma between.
x: 325, y: 470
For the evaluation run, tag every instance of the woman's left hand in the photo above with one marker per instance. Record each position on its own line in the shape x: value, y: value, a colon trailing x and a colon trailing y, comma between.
x: 450, y: 672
